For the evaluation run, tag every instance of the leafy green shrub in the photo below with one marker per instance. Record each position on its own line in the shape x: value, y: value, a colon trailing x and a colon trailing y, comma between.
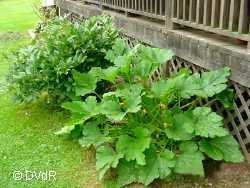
x: 46, y: 65
x: 149, y: 130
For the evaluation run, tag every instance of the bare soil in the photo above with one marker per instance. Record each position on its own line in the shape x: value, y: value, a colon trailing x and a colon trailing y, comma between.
x: 219, y: 175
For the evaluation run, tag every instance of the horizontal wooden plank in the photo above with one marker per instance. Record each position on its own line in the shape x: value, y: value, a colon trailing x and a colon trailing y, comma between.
x: 224, y: 32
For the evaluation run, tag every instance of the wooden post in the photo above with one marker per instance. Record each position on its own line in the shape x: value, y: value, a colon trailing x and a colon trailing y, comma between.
x: 248, y: 49
x: 101, y: 4
x: 234, y: 15
x: 169, y: 12
x: 215, y: 13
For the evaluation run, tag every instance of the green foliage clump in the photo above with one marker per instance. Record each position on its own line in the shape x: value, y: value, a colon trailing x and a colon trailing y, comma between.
x: 46, y: 65
x: 150, y: 130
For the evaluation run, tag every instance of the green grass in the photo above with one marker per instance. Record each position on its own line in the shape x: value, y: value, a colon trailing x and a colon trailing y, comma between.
x: 17, y: 15
x: 28, y: 143
x: 27, y: 140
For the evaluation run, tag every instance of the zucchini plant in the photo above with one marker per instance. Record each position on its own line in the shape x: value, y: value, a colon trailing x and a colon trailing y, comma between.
x: 150, y: 130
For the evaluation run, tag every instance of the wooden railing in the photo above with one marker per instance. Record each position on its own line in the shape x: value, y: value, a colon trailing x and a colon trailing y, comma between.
x: 224, y: 17
x: 151, y: 8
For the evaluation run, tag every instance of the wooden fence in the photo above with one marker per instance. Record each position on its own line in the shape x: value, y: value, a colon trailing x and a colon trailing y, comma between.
x: 223, y: 17
x: 226, y: 17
